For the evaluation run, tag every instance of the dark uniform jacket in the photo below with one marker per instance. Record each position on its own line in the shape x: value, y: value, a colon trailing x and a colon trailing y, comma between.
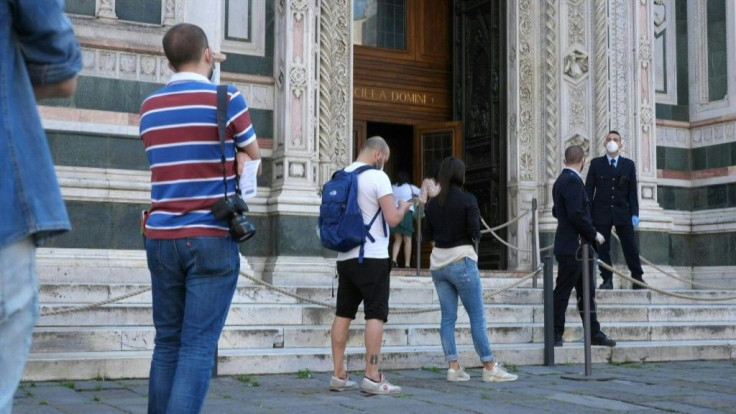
x: 572, y: 210
x: 613, y: 191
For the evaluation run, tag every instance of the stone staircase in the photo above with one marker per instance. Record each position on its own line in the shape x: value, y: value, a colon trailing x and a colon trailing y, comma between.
x: 268, y: 332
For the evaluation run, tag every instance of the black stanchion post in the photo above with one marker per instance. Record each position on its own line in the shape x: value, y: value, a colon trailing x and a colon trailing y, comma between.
x: 586, y: 307
x: 549, y: 315
x: 588, y: 375
x: 214, y: 366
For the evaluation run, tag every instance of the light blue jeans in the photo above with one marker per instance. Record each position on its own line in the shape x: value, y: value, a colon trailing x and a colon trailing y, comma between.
x: 461, y: 279
x: 18, y: 313
x: 192, y: 284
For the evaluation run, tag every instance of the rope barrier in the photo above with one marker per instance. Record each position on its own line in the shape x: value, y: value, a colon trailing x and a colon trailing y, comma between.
x: 644, y: 259
x: 505, y: 243
x: 664, y: 292
x: 95, y: 305
x: 280, y: 290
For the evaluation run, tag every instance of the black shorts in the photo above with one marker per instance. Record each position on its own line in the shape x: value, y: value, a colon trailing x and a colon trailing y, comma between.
x: 367, y: 282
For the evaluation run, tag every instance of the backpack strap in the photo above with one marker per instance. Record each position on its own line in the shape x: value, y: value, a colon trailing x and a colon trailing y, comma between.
x: 361, y: 252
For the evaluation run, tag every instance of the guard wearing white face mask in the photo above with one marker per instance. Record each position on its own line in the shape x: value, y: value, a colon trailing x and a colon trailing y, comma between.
x: 611, y: 184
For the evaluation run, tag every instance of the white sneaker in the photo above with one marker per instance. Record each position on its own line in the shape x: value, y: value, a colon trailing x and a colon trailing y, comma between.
x: 382, y: 387
x: 457, y: 375
x: 498, y: 374
x: 337, y: 384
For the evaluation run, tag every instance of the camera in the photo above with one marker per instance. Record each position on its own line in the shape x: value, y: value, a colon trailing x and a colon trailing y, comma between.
x: 231, y: 209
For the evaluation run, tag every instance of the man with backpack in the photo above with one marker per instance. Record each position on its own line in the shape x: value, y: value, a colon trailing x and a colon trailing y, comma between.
x: 364, y: 270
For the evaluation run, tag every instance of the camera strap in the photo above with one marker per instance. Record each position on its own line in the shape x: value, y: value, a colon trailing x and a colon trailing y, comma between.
x: 222, y: 101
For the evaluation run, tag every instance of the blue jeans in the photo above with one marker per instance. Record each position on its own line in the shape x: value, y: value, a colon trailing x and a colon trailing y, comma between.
x: 193, y: 281
x: 461, y: 279
x: 18, y: 313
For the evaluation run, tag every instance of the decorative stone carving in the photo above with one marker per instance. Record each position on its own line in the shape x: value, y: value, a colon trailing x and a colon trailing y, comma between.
x: 106, y: 9
x: 622, y: 84
x: 299, y: 7
x: 600, y: 73
x: 551, y: 89
x: 168, y: 17
x: 576, y: 23
x: 298, y: 77
x: 335, y: 96
x: 579, y: 140
x: 576, y: 64
x: 296, y: 169
x: 527, y: 50
x: 577, y: 107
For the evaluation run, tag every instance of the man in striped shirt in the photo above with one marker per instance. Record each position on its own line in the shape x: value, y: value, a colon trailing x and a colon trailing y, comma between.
x: 194, y: 263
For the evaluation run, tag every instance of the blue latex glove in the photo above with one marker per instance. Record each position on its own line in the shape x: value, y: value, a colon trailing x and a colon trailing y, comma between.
x: 635, y: 221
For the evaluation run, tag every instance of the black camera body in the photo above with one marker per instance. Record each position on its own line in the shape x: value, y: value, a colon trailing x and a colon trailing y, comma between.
x: 231, y: 209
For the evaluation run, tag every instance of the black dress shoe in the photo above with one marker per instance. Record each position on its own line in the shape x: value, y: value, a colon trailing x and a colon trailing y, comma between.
x: 607, y: 284
x: 558, y: 340
x: 637, y: 287
x: 601, y: 339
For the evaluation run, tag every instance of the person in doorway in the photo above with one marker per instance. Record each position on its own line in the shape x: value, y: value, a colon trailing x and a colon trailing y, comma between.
x: 405, y: 191
x: 611, y: 184
x: 452, y: 221
x: 369, y: 281
x: 571, y: 208
x: 193, y: 260
x: 39, y: 58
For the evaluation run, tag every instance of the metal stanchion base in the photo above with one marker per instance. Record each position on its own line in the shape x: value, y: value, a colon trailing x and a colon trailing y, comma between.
x: 583, y: 377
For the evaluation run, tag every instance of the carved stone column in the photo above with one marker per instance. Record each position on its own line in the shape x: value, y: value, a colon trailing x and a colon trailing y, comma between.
x: 525, y: 144
x: 294, y: 201
x: 336, y: 92
x: 633, y: 99
x: 106, y: 9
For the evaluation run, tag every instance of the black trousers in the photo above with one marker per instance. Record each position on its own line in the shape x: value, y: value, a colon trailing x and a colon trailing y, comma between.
x: 628, y: 245
x: 569, y: 276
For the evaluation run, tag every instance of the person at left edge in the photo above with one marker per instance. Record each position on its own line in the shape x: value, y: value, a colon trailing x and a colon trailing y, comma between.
x: 39, y: 56
x: 194, y: 263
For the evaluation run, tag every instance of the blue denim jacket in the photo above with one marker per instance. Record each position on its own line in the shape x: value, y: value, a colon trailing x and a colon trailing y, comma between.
x: 37, y: 46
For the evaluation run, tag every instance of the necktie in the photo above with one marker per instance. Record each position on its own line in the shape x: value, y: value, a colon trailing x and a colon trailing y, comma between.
x: 613, y: 163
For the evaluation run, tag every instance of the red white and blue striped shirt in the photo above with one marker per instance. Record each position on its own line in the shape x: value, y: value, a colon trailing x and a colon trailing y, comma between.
x: 178, y: 127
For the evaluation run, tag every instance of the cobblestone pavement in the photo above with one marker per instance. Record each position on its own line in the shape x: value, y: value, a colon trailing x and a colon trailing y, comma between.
x: 673, y: 387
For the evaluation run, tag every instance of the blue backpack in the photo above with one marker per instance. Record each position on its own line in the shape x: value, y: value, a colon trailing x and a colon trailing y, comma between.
x: 341, y: 225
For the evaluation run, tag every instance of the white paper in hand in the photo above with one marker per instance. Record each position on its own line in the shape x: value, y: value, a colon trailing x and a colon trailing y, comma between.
x: 248, y: 181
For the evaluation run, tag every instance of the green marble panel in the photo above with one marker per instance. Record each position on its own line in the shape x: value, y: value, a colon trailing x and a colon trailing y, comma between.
x: 654, y: 245
x: 711, y: 249
x: 676, y: 159
x: 683, y: 93
x: 102, y: 226
x: 97, y: 151
x: 83, y: 7
x: 262, y: 120
x: 718, y: 156
x: 731, y: 196
x: 717, y: 196
x: 680, y: 250
x: 666, y: 198
x: 142, y: 11
x: 255, y: 65
x: 700, y: 198
x: 107, y: 95
x: 296, y: 235
x: 700, y: 158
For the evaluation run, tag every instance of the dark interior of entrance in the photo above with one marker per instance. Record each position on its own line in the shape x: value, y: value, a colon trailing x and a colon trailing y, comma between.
x: 400, y: 139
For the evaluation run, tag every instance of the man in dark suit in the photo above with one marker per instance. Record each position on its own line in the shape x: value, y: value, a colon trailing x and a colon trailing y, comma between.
x: 574, y: 230
x: 611, y: 184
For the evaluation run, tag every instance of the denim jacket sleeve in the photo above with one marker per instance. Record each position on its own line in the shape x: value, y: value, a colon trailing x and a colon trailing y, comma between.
x: 46, y: 39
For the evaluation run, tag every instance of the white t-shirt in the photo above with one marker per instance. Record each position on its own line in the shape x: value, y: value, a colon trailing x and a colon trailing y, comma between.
x: 405, y: 192
x: 372, y: 185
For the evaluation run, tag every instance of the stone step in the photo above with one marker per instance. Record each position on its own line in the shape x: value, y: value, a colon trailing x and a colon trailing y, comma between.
x: 307, y: 314
x: 140, y: 338
x: 65, y: 294
x: 136, y: 364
